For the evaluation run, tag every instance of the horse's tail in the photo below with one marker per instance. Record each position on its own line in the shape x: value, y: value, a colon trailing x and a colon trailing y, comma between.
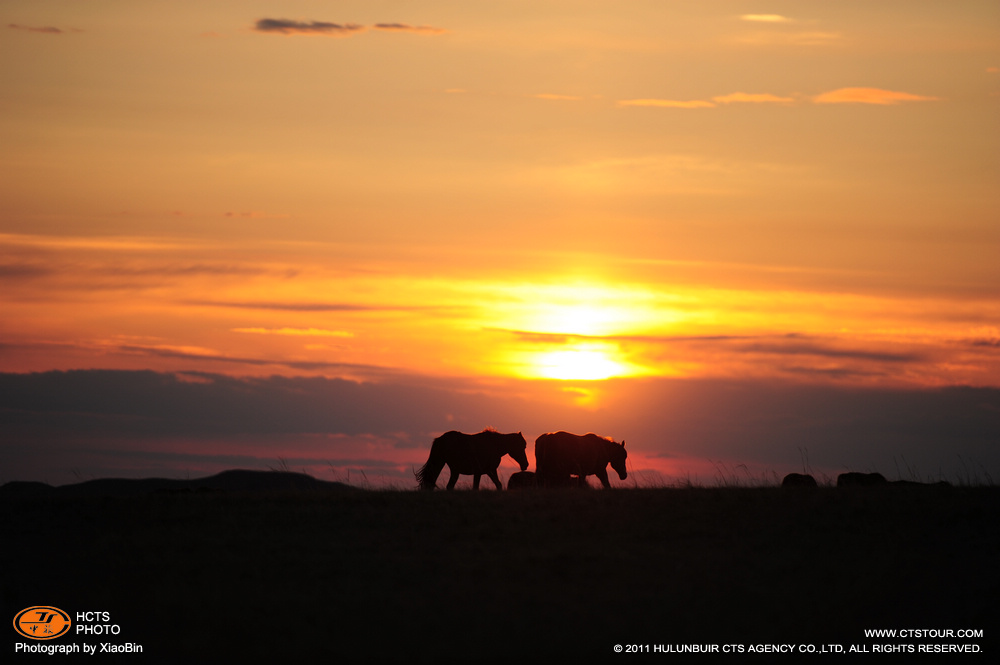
x: 428, y: 474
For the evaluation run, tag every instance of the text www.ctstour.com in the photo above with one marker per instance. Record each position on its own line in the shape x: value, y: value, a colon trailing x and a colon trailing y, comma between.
x: 918, y: 640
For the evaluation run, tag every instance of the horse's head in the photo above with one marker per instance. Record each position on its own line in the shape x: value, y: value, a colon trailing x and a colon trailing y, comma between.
x: 517, y: 449
x: 618, y: 455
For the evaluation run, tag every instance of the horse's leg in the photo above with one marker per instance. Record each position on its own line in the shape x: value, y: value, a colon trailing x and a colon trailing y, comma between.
x: 453, y: 479
x: 475, y: 480
x: 495, y: 478
x: 602, y: 475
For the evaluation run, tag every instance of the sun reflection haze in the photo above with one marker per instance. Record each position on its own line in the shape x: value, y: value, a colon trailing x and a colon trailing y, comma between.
x: 575, y: 332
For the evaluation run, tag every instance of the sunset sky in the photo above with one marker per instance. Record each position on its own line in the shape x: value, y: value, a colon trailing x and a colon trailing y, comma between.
x: 742, y: 236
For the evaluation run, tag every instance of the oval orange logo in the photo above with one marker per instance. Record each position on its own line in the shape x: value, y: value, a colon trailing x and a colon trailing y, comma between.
x: 42, y: 622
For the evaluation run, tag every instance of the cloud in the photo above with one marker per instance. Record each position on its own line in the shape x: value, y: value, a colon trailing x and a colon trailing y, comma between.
x: 772, y: 32
x: 814, y: 349
x: 732, y: 98
x: 557, y: 98
x: 295, y: 332
x: 815, y: 38
x: 790, y: 344
x: 808, y: 38
x: 23, y: 271
x: 766, y: 18
x: 150, y: 402
x: 286, y: 26
x: 46, y: 30
x: 207, y: 355
x: 253, y: 214
x: 840, y: 96
x: 668, y: 103
x: 869, y: 96
x: 99, y: 418
x: 403, y: 27
x: 752, y: 98
x: 289, y: 27
x: 571, y: 338
x: 297, y: 306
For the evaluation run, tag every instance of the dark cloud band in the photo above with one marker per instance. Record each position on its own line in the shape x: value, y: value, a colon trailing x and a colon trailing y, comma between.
x: 765, y: 422
x: 289, y: 27
x: 45, y: 30
x: 286, y: 26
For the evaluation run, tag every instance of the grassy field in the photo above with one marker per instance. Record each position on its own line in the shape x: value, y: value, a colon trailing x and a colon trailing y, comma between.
x: 355, y: 575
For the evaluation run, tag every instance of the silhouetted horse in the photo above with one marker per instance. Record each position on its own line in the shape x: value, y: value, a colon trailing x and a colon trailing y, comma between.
x: 471, y: 454
x: 559, y: 455
x: 798, y: 480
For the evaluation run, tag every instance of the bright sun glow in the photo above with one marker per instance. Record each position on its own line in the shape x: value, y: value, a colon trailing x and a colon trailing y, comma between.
x: 590, y: 309
x: 578, y: 365
x: 576, y: 331
x: 579, y: 319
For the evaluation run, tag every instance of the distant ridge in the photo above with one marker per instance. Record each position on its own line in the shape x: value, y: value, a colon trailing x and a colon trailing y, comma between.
x: 235, y: 480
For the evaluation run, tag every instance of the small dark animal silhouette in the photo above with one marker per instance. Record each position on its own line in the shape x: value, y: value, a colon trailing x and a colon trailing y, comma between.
x: 471, y: 454
x: 521, y: 480
x: 854, y: 479
x: 559, y: 455
x: 798, y: 480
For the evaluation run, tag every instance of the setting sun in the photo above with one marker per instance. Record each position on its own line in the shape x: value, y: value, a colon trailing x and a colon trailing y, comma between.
x: 578, y: 364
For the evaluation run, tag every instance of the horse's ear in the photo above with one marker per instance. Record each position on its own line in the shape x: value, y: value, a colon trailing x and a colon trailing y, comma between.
x: 623, y: 443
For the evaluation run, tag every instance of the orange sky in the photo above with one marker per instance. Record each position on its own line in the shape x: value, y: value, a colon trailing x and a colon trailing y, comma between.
x: 794, y: 191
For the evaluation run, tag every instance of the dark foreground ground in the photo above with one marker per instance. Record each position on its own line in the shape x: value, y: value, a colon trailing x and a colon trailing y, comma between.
x: 339, y: 575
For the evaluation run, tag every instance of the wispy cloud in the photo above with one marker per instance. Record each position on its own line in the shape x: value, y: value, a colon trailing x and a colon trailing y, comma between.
x: 45, y: 30
x: 806, y: 348
x: 254, y: 214
x: 557, y: 98
x: 766, y: 18
x: 309, y: 306
x: 869, y: 96
x: 207, y: 355
x: 788, y: 344
x: 403, y: 27
x: 752, y: 98
x: 839, y: 96
x: 287, y: 306
x: 785, y: 38
x: 295, y: 332
x: 572, y: 338
x: 668, y: 103
x: 112, y: 243
x: 816, y: 38
x: 780, y: 30
x: 286, y: 26
x: 731, y: 98
x: 23, y: 271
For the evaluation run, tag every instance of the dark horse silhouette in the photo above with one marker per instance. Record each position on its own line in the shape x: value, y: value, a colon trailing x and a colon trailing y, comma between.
x: 559, y: 455
x: 471, y: 454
